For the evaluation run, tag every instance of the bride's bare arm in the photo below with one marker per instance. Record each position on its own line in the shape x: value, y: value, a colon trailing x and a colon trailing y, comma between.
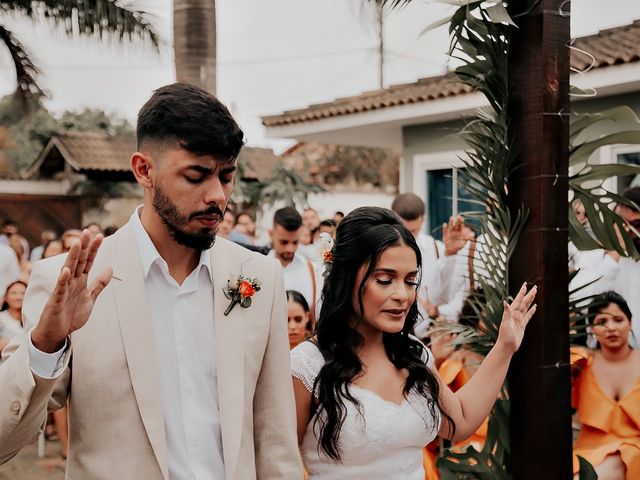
x: 303, y: 407
x: 470, y: 405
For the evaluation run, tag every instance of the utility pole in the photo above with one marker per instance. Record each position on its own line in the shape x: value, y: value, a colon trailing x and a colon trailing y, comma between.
x: 380, y: 18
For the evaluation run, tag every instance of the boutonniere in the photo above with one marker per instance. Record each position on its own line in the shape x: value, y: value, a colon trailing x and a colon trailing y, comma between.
x: 325, y: 249
x: 239, y: 290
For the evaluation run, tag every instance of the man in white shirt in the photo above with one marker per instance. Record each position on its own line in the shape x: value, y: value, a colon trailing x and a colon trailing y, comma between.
x: 9, y: 267
x: 609, y: 271
x: 299, y: 273
x: 171, y: 350
x: 439, y: 283
x: 46, y: 237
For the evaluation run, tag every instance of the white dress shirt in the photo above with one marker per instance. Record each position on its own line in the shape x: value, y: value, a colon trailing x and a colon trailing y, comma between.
x: 183, y: 331
x: 438, y: 274
x: 9, y: 267
x: 297, y: 276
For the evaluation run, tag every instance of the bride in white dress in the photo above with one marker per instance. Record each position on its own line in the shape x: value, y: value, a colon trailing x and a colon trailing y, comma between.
x: 368, y: 397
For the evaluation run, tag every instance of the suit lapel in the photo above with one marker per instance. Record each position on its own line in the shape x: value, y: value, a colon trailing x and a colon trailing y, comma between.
x: 137, y: 337
x: 229, y: 342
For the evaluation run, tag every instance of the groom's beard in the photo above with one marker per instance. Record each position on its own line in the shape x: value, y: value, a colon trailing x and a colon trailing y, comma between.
x: 175, y: 222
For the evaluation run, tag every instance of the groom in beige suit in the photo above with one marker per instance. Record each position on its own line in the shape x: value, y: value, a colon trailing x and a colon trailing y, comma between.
x: 162, y: 381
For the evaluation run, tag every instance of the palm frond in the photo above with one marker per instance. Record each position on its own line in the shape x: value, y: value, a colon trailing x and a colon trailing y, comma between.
x: 104, y: 19
x: 284, y: 186
x: 26, y: 70
x: 587, y: 181
x: 90, y: 17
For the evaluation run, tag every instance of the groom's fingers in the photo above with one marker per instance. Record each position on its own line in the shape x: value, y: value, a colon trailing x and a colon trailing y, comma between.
x: 93, y: 251
x: 99, y: 284
x: 71, y: 262
x: 61, y: 285
x: 85, y: 239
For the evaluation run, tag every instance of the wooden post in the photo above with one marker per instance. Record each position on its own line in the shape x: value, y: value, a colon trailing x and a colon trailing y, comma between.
x: 539, y: 379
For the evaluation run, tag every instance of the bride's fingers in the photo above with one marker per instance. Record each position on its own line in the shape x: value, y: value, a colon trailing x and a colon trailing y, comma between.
x: 528, y: 299
x: 530, y: 313
x: 508, y: 310
x: 519, y: 297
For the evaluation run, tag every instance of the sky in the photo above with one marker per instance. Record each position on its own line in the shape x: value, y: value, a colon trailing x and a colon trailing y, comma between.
x: 272, y: 55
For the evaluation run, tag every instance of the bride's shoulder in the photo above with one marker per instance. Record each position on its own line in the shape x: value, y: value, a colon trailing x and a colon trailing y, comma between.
x: 306, y: 363
x: 308, y: 350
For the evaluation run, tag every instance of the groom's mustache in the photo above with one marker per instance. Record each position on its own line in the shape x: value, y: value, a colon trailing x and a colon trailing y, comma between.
x: 207, y: 213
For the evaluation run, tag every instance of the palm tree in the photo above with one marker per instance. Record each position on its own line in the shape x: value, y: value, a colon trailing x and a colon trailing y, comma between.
x: 194, y: 42
x: 103, y: 18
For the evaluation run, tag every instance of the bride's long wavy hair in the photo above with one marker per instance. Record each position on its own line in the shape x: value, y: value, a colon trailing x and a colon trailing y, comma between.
x: 361, y: 238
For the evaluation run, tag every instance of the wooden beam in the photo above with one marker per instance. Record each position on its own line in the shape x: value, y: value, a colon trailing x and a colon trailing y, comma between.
x: 539, y: 378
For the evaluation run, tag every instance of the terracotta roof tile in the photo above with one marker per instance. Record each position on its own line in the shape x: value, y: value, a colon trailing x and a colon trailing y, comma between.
x: 423, y: 90
x: 609, y: 47
x: 103, y: 152
x: 613, y: 46
x: 97, y: 151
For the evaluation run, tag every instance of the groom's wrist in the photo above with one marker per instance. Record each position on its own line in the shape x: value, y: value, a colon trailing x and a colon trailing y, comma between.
x: 45, y: 343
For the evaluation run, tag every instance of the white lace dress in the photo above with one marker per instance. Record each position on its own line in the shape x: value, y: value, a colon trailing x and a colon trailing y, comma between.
x: 384, y: 443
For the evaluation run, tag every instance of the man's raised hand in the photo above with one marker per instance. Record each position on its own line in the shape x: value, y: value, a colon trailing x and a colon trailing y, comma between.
x: 453, y: 235
x: 71, y: 301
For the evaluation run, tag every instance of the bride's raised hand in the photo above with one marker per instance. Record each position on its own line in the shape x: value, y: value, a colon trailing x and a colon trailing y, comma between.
x: 515, y: 318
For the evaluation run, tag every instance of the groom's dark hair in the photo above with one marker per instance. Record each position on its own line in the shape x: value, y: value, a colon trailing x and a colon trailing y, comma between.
x: 193, y: 117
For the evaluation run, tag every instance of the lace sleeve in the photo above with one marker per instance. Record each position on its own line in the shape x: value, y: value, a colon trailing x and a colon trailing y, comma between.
x: 306, y: 362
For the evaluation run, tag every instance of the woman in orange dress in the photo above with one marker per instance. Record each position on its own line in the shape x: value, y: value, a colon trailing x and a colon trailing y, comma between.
x: 455, y: 367
x: 606, y: 394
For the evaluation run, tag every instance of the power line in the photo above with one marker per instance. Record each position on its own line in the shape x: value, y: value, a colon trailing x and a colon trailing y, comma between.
x: 233, y: 63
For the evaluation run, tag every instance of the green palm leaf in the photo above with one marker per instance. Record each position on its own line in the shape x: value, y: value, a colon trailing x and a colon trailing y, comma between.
x: 102, y: 19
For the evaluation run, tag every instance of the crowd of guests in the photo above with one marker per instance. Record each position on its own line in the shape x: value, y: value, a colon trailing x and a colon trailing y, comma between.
x: 606, y: 390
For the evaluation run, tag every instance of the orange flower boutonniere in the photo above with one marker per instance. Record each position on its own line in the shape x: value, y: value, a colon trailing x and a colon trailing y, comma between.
x: 240, y: 290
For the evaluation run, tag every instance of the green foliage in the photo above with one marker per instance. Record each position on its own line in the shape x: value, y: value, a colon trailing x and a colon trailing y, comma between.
x: 587, y: 180
x: 29, y: 131
x: 480, y: 32
x: 98, y: 19
x: 283, y: 187
x: 586, y: 470
x: 483, y: 464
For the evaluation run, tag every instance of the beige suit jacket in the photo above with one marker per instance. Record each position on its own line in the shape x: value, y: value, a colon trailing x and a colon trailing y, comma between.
x: 112, y: 382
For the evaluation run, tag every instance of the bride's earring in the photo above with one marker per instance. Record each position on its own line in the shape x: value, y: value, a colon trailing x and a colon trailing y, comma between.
x: 592, y: 340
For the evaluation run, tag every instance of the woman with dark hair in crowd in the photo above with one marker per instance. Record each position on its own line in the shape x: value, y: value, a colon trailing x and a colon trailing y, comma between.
x: 368, y: 396
x: 299, y: 321
x: 11, y: 314
x: 606, y: 393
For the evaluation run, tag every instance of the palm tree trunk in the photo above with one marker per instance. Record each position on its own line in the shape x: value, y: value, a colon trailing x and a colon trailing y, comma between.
x: 194, y: 42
